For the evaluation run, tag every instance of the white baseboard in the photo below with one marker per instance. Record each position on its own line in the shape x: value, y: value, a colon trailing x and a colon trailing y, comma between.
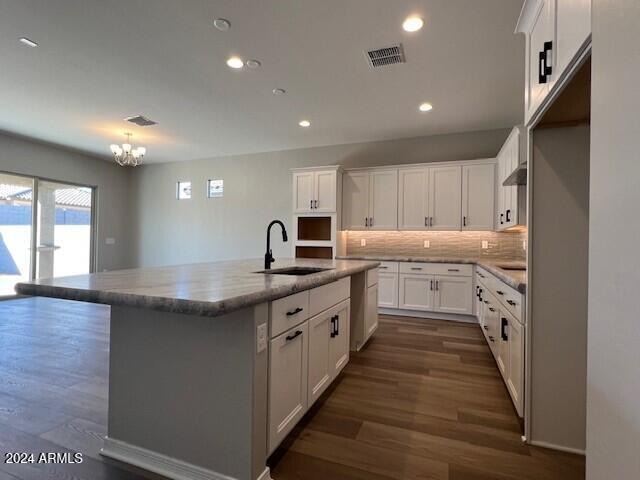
x: 560, y: 448
x: 161, y: 464
x: 454, y: 317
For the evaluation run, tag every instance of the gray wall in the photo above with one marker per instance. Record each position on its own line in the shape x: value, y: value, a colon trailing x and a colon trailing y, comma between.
x: 23, y: 156
x: 257, y: 190
x: 613, y: 382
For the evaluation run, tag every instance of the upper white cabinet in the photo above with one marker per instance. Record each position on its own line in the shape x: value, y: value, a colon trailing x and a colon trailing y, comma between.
x: 478, y: 193
x: 556, y: 32
x: 413, y: 204
x: 509, y: 203
x: 315, y: 190
x: 445, y: 198
x: 370, y: 200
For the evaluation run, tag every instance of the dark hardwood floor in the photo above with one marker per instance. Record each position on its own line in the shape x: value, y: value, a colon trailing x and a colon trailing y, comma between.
x: 424, y: 400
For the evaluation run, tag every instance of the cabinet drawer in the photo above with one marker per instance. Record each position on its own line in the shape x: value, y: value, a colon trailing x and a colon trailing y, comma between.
x: 453, y: 269
x: 372, y: 277
x: 414, y: 268
x: 328, y: 295
x: 388, y: 267
x: 512, y: 300
x: 287, y: 312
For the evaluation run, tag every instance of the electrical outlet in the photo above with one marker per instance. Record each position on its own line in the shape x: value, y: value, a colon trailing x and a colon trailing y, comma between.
x: 427, y: 244
x: 363, y: 242
x: 524, y: 244
x: 110, y: 241
x: 485, y: 244
x: 261, y: 333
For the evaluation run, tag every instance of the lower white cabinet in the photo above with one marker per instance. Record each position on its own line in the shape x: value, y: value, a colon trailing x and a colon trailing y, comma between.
x: 515, y: 366
x: 416, y: 292
x: 328, y: 348
x: 288, y: 367
x: 453, y: 294
x: 388, y: 290
x: 364, y: 308
x: 371, y: 310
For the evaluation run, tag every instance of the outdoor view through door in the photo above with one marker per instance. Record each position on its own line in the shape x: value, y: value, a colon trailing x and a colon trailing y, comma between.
x: 62, y: 233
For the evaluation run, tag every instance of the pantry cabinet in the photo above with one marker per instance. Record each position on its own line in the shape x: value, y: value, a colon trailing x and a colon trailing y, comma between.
x: 314, y: 190
x: 370, y: 200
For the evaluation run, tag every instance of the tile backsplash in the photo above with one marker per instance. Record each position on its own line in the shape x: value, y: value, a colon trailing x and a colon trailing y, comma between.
x: 503, y: 245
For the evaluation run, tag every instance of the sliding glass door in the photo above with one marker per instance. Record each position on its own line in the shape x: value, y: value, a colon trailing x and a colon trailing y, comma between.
x: 16, y: 231
x: 52, y: 237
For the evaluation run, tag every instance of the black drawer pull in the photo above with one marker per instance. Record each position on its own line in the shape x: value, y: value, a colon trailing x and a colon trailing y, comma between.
x: 503, y: 326
x: 382, y: 267
x: 508, y: 213
x: 453, y: 269
x: 294, y: 336
x: 416, y: 268
x: 499, y: 292
x: 511, y: 302
x: 485, y: 327
x: 491, y: 309
x: 294, y: 312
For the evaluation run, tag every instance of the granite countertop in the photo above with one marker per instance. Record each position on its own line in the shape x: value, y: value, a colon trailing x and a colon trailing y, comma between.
x: 514, y: 278
x: 205, y: 289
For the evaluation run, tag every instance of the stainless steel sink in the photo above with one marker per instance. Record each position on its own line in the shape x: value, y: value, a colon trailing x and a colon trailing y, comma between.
x: 512, y: 267
x: 294, y: 271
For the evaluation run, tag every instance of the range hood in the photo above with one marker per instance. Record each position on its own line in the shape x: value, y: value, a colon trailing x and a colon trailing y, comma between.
x: 517, y: 177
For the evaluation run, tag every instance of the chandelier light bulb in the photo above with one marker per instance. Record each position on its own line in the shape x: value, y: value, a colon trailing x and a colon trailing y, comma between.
x: 126, y: 155
x: 126, y: 147
x: 114, y: 148
x: 142, y: 151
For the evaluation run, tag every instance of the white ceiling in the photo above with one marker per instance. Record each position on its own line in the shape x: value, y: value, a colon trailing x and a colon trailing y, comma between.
x: 102, y: 60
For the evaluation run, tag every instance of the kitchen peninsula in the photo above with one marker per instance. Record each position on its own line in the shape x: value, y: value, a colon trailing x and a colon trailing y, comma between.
x: 212, y: 364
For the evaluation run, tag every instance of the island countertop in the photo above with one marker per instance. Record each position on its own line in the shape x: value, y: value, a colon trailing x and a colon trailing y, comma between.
x: 205, y: 289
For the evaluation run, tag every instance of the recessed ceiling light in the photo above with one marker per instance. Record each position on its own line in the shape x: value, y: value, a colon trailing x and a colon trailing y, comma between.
x: 253, y: 64
x: 425, y: 107
x: 279, y: 91
x: 235, y: 62
x: 222, y: 24
x: 412, y: 24
x: 29, y: 43
x: 305, y: 123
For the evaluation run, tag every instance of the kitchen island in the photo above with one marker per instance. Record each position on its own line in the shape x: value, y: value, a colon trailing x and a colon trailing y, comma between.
x: 212, y: 365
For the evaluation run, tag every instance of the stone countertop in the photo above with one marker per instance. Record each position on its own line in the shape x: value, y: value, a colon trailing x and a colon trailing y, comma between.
x: 514, y: 278
x: 205, y: 289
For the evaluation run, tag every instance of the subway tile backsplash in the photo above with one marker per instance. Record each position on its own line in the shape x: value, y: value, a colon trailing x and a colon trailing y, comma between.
x: 503, y: 245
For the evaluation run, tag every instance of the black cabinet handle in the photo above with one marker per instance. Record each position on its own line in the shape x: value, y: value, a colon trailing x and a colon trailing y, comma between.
x: 431, y: 288
x: 371, y: 221
x: 485, y: 327
x: 491, y: 338
x: 511, y: 302
x: 315, y: 204
x: 503, y: 326
x: 508, y: 212
x: 501, y: 216
x: 453, y: 269
x: 337, y: 324
x: 416, y: 268
x: 486, y: 301
x: 477, y: 291
x: 499, y: 292
x: 491, y: 309
x: 431, y: 221
x: 332, y: 329
x: 294, y: 312
x: 426, y: 222
x: 464, y: 221
x: 311, y: 204
x: 295, y: 335
x: 437, y: 281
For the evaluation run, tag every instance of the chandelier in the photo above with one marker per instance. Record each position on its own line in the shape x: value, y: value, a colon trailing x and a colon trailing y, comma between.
x: 126, y: 155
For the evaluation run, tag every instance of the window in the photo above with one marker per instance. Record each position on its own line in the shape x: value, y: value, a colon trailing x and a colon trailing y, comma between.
x: 215, y: 188
x: 183, y: 191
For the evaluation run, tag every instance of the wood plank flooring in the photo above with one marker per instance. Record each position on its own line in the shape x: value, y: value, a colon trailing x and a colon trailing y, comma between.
x: 424, y: 400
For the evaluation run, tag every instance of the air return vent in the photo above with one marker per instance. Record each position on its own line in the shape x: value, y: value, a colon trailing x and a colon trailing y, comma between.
x: 386, y: 56
x: 141, y: 121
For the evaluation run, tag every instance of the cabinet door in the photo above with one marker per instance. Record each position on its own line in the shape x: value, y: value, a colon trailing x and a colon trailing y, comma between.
x: 413, y: 199
x: 491, y: 319
x: 355, y: 200
x: 288, y: 366
x: 416, y: 292
x: 478, y: 194
x: 303, y: 192
x: 573, y: 21
x: 325, y: 191
x: 371, y: 311
x: 320, y: 328
x: 388, y: 290
x: 445, y: 198
x: 383, y: 200
x: 511, y: 201
x: 339, y: 343
x: 453, y: 294
x: 515, y: 379
x: 503, y: 346
x: 543, y: 30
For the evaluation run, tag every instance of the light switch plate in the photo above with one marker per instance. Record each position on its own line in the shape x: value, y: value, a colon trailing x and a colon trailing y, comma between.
x: 363, y: 242
x: 524, y: 244
x: 110, y: 241
x: 485, y: 244
x: 261, y: 334
x: 427, y: 244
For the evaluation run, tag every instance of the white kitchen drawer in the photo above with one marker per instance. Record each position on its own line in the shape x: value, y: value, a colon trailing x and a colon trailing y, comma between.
x: 326, y: 296
x: 287, y: 312
x: 372, y: 277
x: 453, y: 269
x: 389, y: 267
x: 508, y: 297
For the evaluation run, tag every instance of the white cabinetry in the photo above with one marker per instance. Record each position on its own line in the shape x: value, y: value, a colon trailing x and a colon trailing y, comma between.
x: 413, y: 204
x: 315, y: 190
x: 510, y: 209
x: 364, y: 308
x: 388, y: 285
x: 445, y: 198
x: 478, y: 193
x: 370, y: 200
x: 416, y: 292
x: 288, y: 357
x: 453, y: 294
x: 556, y: 32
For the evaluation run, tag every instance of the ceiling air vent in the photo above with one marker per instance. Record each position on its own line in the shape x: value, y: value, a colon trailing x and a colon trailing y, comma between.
x: 386, y: 56
x: 141, y: 121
